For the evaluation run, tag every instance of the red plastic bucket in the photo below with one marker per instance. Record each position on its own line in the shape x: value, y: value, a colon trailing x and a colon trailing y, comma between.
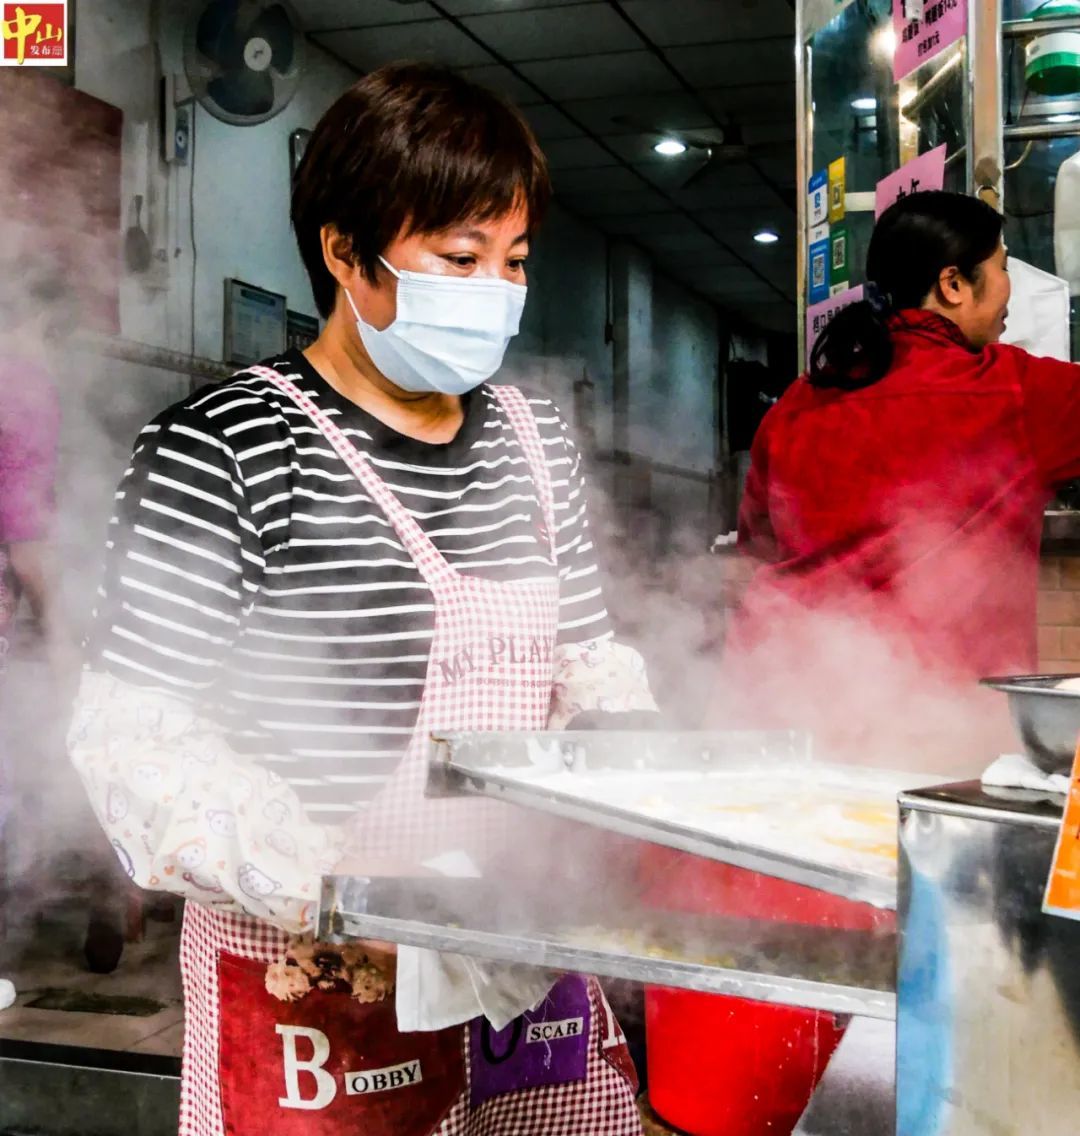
x: 726, y: 1066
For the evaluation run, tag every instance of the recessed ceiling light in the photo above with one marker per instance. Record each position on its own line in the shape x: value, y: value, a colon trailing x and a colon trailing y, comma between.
x: 670, y: 147
x: 865, y: 104
x: 766, y: 237
x: 884, y: 41
x: 1058, y: 119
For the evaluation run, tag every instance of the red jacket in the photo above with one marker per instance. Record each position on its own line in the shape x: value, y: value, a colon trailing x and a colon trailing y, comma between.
x: 896, y: 529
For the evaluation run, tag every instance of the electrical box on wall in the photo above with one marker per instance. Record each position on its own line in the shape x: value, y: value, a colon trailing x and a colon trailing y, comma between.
x: 255, y: 323
x: 175, y: 118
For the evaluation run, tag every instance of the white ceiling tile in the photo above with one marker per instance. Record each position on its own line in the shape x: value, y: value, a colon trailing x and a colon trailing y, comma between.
x: 747, y: 221
x: 319, y: 14
x: 752, y: 102
x: 678, y: 246
x: 721, y: 192
x: 703, y: 21
x: 662, y: 224
x: 638, y: 201
x: 780, y: 133
x: 549, y: 123
x: 482, y: 7
x: 577, y: 153
x: 672, y: 110
x: 435, y: 40
x: 554, y: 33
x: 770, y: 61
x: 503, y: 80
x: 598, y: 179
x: 600, y: 75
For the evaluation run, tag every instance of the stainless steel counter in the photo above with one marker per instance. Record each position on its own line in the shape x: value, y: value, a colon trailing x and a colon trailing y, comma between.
x: 857, y: 1095
x: 988, y: 1029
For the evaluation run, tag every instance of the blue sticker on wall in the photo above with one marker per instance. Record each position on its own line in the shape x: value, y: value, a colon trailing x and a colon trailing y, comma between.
x: 819, y: 271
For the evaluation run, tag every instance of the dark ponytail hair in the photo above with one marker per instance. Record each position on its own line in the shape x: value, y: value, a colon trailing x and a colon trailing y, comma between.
x: 913, y: 242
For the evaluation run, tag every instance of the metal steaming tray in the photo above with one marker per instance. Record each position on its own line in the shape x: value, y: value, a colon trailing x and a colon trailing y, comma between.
x: 843, y: 972
x: 659, y: 787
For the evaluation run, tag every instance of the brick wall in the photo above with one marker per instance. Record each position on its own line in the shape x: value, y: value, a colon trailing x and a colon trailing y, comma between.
x: 1059, y: 614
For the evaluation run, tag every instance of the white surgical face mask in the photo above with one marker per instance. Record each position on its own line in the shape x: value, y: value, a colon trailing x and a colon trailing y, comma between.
x: 450, y: 334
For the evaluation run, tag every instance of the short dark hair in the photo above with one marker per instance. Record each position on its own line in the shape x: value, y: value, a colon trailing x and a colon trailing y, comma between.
x: 914, y: 241
x: 414, y: 147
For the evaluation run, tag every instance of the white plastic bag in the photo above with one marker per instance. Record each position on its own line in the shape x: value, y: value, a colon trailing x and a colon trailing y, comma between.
x: 1038, y: 311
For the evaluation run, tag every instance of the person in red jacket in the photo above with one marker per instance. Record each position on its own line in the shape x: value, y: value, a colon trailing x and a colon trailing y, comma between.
x: 894, y: 507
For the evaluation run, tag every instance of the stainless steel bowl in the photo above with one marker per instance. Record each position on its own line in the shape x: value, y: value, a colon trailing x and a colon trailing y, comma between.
x: 1047, y: 719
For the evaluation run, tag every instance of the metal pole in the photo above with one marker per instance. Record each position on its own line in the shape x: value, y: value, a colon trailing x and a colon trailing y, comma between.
x: 985, y: 98
x: 1043, y: 130
x: 803, y: 142
x: 1025, y: 29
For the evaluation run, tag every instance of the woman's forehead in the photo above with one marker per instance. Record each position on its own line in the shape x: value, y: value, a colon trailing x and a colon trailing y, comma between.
x: 512, y: 226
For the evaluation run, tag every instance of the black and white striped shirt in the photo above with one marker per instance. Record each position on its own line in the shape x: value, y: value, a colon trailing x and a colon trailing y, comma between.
x: 247, y: 569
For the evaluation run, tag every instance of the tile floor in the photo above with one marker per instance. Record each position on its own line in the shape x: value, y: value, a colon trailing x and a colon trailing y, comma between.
x: 52, y: 960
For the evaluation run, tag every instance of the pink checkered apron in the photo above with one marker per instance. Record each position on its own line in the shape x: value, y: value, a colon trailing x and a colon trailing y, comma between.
x: 490, y: 668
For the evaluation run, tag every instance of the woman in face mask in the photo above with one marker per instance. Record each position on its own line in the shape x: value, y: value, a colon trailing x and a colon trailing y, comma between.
x: 895, y: 503
x: 313, y: 567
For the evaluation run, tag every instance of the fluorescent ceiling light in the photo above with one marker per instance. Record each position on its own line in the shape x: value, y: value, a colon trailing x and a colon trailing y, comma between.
x: 766, y: 237
x: 866, y: 104
x: 670, y: 147
x: 1059, y: 119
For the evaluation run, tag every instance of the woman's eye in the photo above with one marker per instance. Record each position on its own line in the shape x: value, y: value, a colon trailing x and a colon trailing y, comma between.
x: 517, y: 265
x: 462, y: 261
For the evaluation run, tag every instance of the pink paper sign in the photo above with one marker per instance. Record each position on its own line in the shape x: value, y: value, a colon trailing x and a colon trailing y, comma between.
x: 923, y: 173
x: 920, y: 38
x: 821, y: 315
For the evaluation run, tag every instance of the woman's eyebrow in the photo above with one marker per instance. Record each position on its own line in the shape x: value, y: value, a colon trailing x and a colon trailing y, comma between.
x: 480, y: 237
x: 477, y: 235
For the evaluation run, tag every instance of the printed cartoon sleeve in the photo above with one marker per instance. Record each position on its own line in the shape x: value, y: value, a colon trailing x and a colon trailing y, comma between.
x: 186, y: 814
x: 597, y: 675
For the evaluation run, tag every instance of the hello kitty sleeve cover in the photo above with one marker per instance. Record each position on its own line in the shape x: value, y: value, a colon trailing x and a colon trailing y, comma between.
x: 185, y: 814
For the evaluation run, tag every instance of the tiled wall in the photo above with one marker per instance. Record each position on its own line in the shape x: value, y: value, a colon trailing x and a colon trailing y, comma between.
x: 1059, y: 614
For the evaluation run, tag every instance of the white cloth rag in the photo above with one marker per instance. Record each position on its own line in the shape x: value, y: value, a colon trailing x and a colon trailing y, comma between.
x: 1016, y: 771
x: 436, y: 991
x: 7, y: 994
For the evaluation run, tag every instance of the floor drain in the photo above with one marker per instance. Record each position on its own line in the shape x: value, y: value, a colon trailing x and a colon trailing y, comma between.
x: 79, y: 1002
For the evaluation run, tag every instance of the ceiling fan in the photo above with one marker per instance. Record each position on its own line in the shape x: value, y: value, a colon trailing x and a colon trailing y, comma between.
x: 723, y: 146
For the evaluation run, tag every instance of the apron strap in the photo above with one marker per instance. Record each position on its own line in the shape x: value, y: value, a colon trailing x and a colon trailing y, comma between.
x: 523, y: 421
x: 431, y: 564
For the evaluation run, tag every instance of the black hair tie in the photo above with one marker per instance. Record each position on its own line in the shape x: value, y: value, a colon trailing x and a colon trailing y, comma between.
x: 879, y: 300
